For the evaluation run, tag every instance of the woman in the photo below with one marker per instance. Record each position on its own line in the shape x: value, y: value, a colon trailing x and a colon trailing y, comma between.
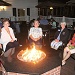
x: 35, y: 34
x: 8, y: 40
x: 70, y: 49
x: 60, y: 37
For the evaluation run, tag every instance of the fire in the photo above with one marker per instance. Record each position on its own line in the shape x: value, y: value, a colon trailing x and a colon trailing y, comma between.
x: 32, y: 55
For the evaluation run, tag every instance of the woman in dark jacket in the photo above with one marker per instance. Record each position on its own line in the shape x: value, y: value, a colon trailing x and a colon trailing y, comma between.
x: 61, y: 37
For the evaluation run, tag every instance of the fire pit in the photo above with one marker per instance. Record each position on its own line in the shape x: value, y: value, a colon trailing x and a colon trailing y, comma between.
x: 50, y: 64
x: 31, y: 55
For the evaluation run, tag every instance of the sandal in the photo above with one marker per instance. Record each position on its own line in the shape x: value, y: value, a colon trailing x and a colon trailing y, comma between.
x: 63, y: 63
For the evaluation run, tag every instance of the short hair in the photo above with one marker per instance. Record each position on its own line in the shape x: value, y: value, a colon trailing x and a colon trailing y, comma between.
x: 4, y: 20
x: 36, y: 20
x: 63, y: 23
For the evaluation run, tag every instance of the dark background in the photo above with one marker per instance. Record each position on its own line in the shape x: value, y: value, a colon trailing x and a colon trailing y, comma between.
x: 64, y: 1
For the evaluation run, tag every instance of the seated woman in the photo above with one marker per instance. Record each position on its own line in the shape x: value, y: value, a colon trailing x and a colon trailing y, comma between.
x: 70, y: 49
x: 35, y: 34
x: 8, y: 40
x: 61, y: 37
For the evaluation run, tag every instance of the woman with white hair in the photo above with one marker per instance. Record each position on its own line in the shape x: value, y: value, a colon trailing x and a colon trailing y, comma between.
x: 60, y: 37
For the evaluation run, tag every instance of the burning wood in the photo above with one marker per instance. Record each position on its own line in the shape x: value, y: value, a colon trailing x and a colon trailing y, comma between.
x: 31, y: 55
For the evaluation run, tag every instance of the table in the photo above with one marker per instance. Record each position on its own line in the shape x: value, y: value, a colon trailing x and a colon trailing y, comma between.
x: 51, y: 61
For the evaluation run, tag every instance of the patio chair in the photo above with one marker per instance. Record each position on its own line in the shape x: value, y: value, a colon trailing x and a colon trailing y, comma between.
x: 46, y: 33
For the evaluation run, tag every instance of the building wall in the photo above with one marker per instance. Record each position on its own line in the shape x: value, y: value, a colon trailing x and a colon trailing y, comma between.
x: 21, y: 4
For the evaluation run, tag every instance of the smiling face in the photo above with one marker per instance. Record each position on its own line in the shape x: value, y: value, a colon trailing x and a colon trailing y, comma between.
x: 63, y: 25
x: 36, y: 24
x: 6, y: 24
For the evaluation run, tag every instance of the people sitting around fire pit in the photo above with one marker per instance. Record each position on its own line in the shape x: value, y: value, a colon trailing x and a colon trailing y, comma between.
x: 8, y: 40
x: 61, y: 36
x: 35, y: 34
x: 69, y: 49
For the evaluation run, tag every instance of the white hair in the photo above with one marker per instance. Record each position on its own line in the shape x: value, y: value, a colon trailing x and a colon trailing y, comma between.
x: 63, y: 23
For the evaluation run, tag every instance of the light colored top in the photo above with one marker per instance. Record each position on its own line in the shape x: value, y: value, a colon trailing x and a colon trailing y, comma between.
x: 44, y: 22
x: 59, y: 34
x: 5, y: 37
x: 35, y: 32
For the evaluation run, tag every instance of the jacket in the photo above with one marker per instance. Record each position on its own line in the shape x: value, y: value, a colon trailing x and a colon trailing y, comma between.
x: 5, y: 37
x: 63, y: 36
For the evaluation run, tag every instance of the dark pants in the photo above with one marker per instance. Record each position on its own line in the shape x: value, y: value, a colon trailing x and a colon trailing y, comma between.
x: 39, y: 42
x: 11, y: 45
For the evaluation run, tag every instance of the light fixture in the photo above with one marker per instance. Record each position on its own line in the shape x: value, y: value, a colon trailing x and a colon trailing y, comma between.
x: 51, y: 8
x: 23, y: 9
x: 2, y: 8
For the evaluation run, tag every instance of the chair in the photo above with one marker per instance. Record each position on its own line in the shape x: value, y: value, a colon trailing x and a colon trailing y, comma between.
x: 46, y: 32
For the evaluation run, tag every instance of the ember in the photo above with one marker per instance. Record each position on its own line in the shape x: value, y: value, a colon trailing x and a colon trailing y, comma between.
x: 31, y: 55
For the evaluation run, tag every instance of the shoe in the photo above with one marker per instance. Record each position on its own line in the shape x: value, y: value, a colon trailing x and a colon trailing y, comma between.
x: 20, y: 45
x: 2, y: 53
x: 63, y: 63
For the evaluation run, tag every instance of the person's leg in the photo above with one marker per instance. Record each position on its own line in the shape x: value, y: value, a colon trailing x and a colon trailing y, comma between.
x: 8, y: 54
x: 13, y: 51
x: 15, y: 44
x: 10, y: 49
x: 31, y: 41
x: 9, y: 45
x: 38, y: 44
x: 53, y: 44
x: 66, y: 55
x: 57, y: 45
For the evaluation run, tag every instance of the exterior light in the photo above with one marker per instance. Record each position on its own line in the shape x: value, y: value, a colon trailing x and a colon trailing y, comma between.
x: 51, y: 8
x: 2, y: 8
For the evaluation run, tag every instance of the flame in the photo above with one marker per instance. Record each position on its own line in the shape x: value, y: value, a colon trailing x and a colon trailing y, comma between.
x: 32, y: 55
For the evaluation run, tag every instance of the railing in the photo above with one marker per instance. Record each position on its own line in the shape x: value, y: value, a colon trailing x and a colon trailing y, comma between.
x: 68, y: 20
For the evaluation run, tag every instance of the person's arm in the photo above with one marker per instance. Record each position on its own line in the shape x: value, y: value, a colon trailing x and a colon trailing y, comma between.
x: 56, y: 34
x: 12, y: 35
x: 64, y: 36
x: 56, y: 40
x: 68, y: 44
x: 30, y: 34
x: 0, y: 46
x: 32, y: 38
x: 40, y: 34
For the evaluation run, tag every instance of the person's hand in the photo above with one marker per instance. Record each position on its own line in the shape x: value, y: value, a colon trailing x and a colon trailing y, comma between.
x: 12, y: 41
x: 56, y: 40
x: 35, y: 39
x: 0, y: 46
x: 68, y: 44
